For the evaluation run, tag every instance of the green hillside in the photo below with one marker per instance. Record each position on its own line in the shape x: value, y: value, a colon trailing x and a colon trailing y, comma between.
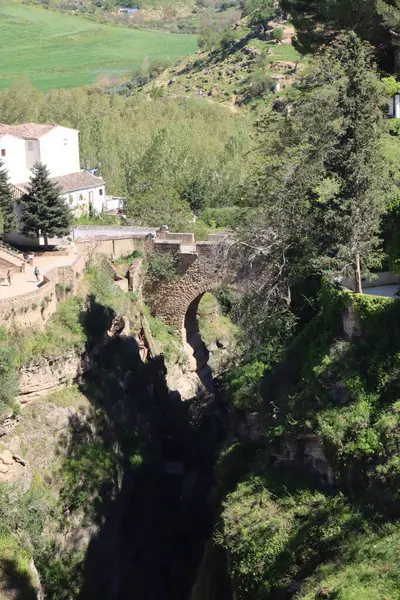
x: 56, y: 50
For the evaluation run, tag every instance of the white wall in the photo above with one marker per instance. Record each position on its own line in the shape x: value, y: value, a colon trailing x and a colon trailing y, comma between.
x: 79, y: 201
x: 32, y: 153
x: 59, y: 151
x: 14, y: 160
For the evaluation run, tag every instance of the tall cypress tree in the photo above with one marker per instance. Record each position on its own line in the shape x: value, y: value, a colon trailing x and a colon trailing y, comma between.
x: 44, y: 211
x: 351, y: 217
x: 6, y: 202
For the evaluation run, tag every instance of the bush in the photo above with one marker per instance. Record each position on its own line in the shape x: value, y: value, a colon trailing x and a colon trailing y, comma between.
x: 228, y: 217
x: 162, y: 267
x: 261, y: 84
x: 277, y: 34
x: 161, y: 206
x: 9, y: 378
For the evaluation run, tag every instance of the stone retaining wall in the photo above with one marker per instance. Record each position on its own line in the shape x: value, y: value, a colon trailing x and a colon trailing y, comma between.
x: 111, y: 247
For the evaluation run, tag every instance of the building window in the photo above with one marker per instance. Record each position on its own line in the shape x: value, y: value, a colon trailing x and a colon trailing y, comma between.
x: 30, y: 146
x: 100, y: 191
x: 3, y: 151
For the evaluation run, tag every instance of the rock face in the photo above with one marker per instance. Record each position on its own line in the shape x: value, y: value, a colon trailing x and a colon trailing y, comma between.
x: 187, y: 384
x: 11, y: 469
x: 40, y: 433
x: 47, y: 376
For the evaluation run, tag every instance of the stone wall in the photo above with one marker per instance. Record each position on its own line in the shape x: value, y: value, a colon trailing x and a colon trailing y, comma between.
x: 35, y: 307
x: 111, y: 247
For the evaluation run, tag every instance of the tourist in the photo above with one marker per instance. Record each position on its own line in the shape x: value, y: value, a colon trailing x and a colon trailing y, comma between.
x: 36, y: 273
x: 9, y: 277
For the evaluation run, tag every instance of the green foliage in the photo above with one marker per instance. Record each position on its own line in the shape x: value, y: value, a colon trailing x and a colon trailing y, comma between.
x: 63, y: 332
x: 61, y: 572
x: 87, y: 468
x: 244, y: 383
x: 8, y: 220
x: 227, y: 217
x: 208, y: 38
x: 168, y: 339
x: 214, y: 326
x: 259, y: 13
x: 9, y: 377
x: 162, y: 267
x: 159, y: 206
x: 277, y: 34
x: 275, y: 527
x: 156, y: 148
x: 128, y: 260
x: 260, y: 84
x: 43, y: 209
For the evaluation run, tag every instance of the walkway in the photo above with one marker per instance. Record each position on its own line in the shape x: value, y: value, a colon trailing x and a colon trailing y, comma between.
x: 26, y: 282
x: 384, y: 291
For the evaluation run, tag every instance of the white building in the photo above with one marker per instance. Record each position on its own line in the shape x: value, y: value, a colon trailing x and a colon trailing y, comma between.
x: 56, y: 147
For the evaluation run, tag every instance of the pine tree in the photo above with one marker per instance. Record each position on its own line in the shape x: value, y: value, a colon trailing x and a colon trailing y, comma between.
x: 44, y: 211
x: 6, y: 202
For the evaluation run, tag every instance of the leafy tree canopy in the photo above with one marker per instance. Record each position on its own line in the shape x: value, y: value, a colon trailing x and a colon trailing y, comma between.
x: 317, y: 22
x: 8, y: 220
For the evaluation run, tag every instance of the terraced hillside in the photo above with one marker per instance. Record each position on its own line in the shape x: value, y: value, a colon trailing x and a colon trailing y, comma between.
x: 241, y: 74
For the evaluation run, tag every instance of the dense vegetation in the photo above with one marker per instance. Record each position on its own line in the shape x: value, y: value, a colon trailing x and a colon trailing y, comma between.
x: 309, y: 182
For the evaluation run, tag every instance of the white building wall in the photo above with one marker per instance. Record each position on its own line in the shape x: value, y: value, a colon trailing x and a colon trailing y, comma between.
x: 59, y: 151
x: 32, y: 153
x: 14, y: 159
x: 79, y: 200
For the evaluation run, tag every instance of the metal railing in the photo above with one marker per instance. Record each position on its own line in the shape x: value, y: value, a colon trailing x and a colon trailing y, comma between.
x: 11, y: 250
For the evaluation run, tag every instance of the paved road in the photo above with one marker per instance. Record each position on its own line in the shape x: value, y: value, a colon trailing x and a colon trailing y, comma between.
x: 385, y: 291
x: 26, y: 282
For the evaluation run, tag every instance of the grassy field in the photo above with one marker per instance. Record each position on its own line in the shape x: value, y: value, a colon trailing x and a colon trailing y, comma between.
x: 58, y: 50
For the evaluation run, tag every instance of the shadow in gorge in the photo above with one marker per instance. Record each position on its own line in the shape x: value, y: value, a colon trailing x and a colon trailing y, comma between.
x: 15, y: 585
x: 197, y: 350
x: 150, y: 500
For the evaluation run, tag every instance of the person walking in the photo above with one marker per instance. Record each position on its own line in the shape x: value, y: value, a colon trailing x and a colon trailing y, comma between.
x: 36, y: 273
x: 9, y: 277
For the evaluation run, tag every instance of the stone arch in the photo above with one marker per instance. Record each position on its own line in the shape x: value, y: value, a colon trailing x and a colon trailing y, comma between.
x: 193, y: 343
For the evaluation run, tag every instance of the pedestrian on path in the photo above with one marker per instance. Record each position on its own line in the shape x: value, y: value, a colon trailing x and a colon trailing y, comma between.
x: 9, y: 277
x: 36, y: 273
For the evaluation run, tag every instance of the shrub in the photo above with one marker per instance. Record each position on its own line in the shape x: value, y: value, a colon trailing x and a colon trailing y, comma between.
x: 9, y: 378
x: 261, y: 84
x: 277, y: 34
x: 227, y: 217
x: 162, y: 267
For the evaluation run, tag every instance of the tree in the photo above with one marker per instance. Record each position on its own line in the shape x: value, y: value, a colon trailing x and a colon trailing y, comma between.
x: 160, y: 207
x: 351, y: 212
x: 44, y: 211
x: 6, y: 202
x: 259, y: 13
x: 318, y: 22
x: 320, y: 179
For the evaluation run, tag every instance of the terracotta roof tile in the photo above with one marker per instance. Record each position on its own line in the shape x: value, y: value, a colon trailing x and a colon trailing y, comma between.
x: 27, y: 131
x: 82, y: 180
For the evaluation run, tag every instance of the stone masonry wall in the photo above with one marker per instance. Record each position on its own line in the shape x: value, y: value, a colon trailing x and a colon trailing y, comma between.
x: 111, y: 247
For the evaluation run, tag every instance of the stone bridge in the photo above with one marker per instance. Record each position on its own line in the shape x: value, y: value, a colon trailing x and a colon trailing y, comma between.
x: 201, y: 268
